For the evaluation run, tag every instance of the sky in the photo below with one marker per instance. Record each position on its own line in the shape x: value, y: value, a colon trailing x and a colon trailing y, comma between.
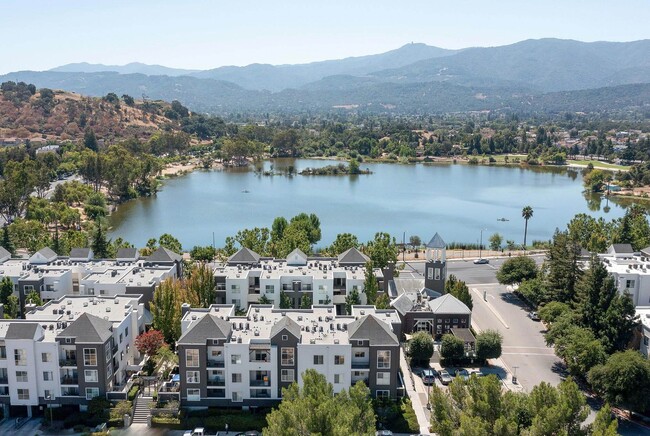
x: 203, y: 34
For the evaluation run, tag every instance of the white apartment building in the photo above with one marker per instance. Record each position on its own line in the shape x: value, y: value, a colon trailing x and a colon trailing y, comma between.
x: 630, y: 270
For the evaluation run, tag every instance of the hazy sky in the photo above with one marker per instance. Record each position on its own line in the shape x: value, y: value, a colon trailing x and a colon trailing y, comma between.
x: 202, y: 34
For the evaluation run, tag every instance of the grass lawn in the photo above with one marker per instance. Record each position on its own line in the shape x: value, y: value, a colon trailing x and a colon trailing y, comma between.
x: 597, y: 164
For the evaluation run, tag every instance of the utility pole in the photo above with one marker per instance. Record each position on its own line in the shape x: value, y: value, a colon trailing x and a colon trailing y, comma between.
x: 480, y: 245
x: 404, y: 247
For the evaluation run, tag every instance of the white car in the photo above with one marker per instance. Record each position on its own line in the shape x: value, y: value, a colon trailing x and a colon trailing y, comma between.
x: 481, y: 261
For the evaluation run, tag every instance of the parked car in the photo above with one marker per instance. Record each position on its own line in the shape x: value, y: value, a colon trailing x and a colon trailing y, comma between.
x: 429, y: 376
x: 384, y: 433
x: 534, y: 316
x: 199, y: 431
x: 481, y: 261
x: 445, y: 378
x: 476, y: 372
x: 462, y: 373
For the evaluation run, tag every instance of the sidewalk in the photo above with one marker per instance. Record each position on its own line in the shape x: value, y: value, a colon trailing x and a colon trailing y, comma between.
x: 416, y: 402
x: 499, y: 368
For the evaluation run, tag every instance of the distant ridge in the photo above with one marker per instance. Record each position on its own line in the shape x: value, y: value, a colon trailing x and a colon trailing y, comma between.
x: 132, y: 68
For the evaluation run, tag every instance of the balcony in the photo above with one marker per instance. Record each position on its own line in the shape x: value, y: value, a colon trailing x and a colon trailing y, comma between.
x: 339, y: 291
x: 361, y: 365
x: 216, y: 393
x: 70, y: 392
x: 254, y: 290
x: 115, y: 349
x: 4, y: 380
x: 215, y: 363
x: 4, y: 390
x: 69, y: 380
x: 68, y: 362
x: 216, y: 382
x: 260, y: 393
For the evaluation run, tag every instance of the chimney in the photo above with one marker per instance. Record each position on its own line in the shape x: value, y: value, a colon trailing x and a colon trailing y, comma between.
x: 29, y: 307
x: 2, y: 311
x: 185, y: 307
x: 389, y: 275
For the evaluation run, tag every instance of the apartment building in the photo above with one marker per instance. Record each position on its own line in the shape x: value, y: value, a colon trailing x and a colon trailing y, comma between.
x: 69, y: 351
x: 631, y: 271
x: 54, y: 276
x: 228, y: 360
x: 247, y: 276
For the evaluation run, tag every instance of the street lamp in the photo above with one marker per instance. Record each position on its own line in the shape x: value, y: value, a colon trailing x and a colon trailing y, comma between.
x: 480, y: 245
x: 51, y: 398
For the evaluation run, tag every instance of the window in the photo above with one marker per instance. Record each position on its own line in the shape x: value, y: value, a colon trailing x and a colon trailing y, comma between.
x: 318, y: 360
x: 192, y: 376
x: 437, y: 274
x: 46, y: 357
x: 236, y: 377
x: 120, y: 338
x: 360, y: 343
x: 337, y: 378
x: 383, y: 359
x: 47, y: 376
x: 21, y: 376
x: 194, y: 394
x: 47, y: 394
x: 126, y: 332
x: 285, y: 337
x: 455, y: 320
x: 215, y: 353
x: 92, y: 393
x: 90, y: 357
x: 90, y: 375
x: 23, y: 394
x: 20, y: 357
x: 287, y: 375
x: 430, y: 273
x: 192, y: 358
x: 270, y: 289
x: 645, y: 340
x: 383, y: 378
x: 236, y: 302
x: 3, y: 352
x: 68, y: 340
x: 287, y: 356
x: 237, y: 397
x: 383, y: 394
x: 235, y: 359
x: 359, y: 354
x: 339, y: 360
x: 629, y: 283
x: 107, y: 351
x: 321, y: 288
x: 234, y: 289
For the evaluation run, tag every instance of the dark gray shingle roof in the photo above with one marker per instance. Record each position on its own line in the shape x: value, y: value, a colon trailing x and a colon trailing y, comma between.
x: 88, y: 329
x: 4, y: 253
x: 244, y: 255
x: 163, y: 254
x: 402, y: 304
x: 622, y: 248
x: 464, y: 334
x: 208, y: 327
x: 80, y: 253
x: 370, y: 328
x: 352, y: 256
x: 21, y: 330
x: 127, y: 253
x: 436, y: 242
x: 286, y: 323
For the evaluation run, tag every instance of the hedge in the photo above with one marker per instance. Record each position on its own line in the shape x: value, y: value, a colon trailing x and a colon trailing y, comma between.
x: 133, y: 392
x: 167, y: 422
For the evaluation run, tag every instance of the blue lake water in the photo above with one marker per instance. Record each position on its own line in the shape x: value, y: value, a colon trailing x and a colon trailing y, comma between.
x: 455, y: 200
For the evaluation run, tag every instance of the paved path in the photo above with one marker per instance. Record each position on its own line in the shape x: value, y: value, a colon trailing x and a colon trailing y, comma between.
x: 416, y: 399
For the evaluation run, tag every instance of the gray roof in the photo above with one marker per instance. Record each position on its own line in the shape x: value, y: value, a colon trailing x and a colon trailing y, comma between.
x: 436, y: 242
x: 464, y: 334
x: 622, y: 248
x: 80, y: 253
x: 352, y: 256
x: 88, y: 329
x: 209, y: 327
x: 47, y: 252
x: 370, y: 328
x: 645, y: 251
x: 286, y: 323
x: 4, y: 252
x: 244, y: 255
x: 163, y: 254
x: 429, y: 293
x: 299, y: 253
x: 402, y: 304
x: 448, y: 304
x: 21, y: 330
x: 127, y: 253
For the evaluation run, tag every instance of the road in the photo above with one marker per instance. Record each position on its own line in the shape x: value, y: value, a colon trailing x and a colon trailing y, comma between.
x: 525, y: 353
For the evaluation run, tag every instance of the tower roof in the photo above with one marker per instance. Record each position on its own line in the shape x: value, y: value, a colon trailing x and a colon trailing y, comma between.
x: 436, y: 242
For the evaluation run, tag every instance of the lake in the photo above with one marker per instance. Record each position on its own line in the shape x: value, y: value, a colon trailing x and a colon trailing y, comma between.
x: 454, y: 200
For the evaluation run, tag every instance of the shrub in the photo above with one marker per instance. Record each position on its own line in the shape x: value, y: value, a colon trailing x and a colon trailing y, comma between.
x: 133, y: 392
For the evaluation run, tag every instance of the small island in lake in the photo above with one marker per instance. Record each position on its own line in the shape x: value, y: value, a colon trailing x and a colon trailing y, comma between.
x: 336, y: 170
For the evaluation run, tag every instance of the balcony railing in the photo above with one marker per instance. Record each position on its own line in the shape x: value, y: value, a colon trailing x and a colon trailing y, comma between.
x: 253, y: 289
x: 360, y: 365
x: 216, y: 393
x: 4, y: 380
x: 69, y: 380
x: 216, y: 382
x: 215, y: 363
x: 68, y: 362
x: 70, y: 393
x: 260, y: 383
x: 260, y: 393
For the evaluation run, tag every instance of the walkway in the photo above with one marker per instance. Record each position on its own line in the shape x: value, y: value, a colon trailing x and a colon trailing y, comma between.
x: 416, y: 402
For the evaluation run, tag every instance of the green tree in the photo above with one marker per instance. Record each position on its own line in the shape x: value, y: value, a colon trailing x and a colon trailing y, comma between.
x: 203, y: 253
x: 516, y: 270
x: 534, y: 291
x: 624, y: 380
x: 315, y: 409
x: 563, y: 268
x: 171, y: 243
x: 604, y: 424
x: 310, y: 224
x: 526, y: 213
x: 100, y: 244
x: 553, y: 310
x: 285, y: 301
x: 452, y: 348
x: 382, y: 250
x: 370, y: 284
x: 352, y: 299
x: 305, y: 302
x: 495, y: 242
x: 488, y: 345
x: 459, y: 289
x: 90, y: 140
x: 7, y: 243
x: 95, y: 206
x: 200, y: 284
x: 278, y: 228
x: 342, y: 243
x: 580, y: 349
x: 594, y: 180
x: 383, y: 301
x: 166, y: 309
x: 264, y: 299
x: 8, y: 299
x: 33, y: 297
x: 420, y: 347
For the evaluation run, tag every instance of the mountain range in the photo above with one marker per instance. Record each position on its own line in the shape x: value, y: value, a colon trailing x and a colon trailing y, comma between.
x: 531, y: 75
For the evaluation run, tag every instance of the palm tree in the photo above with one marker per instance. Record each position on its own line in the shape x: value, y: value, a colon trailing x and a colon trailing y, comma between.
x: 526, y: 213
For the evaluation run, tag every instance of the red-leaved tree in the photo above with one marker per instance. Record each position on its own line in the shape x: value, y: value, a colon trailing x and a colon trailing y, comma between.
x: 149, y: 342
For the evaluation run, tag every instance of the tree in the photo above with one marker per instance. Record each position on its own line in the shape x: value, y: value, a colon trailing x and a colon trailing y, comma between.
x: 534, y: 291
x: 305, y: 302
x: 624, y: 380
x: 33, y: 297
x: 310, y: 224
x: 90, y: 140
x: 264, y: 299
x: 516, y: 270
x: 459, y: 289
x: 351, y: 300
x: 171, y: 243
x: 604, y: 424
x: 420, y: 347
x: 495, y: 242
x: 553, y: 310
x: 342, y: 243
x: 7, y: 243
x: 120, y: 409
x: 452, y: 348
x: 285, y: 301
x: 8, y: 299
x: 149, y: 342
x: 415, y: 241
x: 165, y: 309
x: 200, y: 284
x: 277, y: 229
x: 315, y: 409
x: 381, y: 250
x: 383, y: 301
x: 526, y: 213
x: 204, y: 254
x: 488, y: 345
x: 370, y: 284
x: 100, y: 245
x: 580, y: 349
x: 563, y: 267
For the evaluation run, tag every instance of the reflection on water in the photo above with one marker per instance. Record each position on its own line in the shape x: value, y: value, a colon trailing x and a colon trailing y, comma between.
x: 454, y: 200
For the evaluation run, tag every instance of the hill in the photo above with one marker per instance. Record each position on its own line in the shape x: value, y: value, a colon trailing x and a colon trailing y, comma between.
x: 56, y: 115
x: 132, y: 68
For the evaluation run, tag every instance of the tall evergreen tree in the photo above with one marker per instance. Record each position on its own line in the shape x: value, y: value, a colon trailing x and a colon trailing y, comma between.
x: 563, y: 268
x: 100, y: 244
x: 370, y: 285
x: 351, y: 300
x: 7, y: 243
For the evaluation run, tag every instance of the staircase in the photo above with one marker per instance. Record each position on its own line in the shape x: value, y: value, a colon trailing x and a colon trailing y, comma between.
x: 141, y: 410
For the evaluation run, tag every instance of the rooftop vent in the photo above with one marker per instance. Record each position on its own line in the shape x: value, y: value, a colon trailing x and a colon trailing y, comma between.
x: 336, y: 341
x: 108, y: 309
x: 239, y: 340
x: 312, y: 341
x: 68, y: 302
x: 194, y: 317
x: 363, y: 312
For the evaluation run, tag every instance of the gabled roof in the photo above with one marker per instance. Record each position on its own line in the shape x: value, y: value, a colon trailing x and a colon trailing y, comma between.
x: 296, y: 255
x: 45, y: 253
x: 644, y: 251
x: 286, y: 323
x: 352, y: 256
x: 621, y: 248
x: 370, y: 328
x: 436, y: 242
x: 208, y: 327
x: 21, y: 330
x: 80, y: 253
x: 244, y: 255
x: 449, y: 304
x: 402, y: 304
x: 88, y: 329
x: 163, y: 254
x: 127, y: 253
x: 4, y: 253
